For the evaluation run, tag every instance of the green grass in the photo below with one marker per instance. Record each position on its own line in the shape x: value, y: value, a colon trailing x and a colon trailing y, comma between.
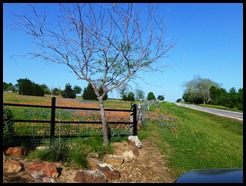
x: 72, y: 152
x: 16, y: 98
x: 220, y: 107
x: 194, y: 139
x: 216, y: 106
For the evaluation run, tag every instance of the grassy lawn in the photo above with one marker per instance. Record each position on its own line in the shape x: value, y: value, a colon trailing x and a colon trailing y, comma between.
x: 193, y: 139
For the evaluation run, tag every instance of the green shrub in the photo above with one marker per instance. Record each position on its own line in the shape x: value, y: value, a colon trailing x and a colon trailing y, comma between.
x: 8, y: 127
x: 56, y: 151
x: 81, y: 147
x: 73, y: 152
x: 96, y: 143
x: 78, y: 152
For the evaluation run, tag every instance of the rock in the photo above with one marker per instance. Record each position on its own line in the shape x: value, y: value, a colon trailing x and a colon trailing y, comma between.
x: 92, y: 155
x: 110, y: 172
x: 131, y: 143
x: 90, y: 176
x: 4, y: 158
x: 41, y: 147
x: 128, y: 156
x: 135, y: 151
x: 42, y: 170
x: 92, y: 163
x: 16, y: 151
x: 135, y: 140
x: 12, y: 166
x: 113, y: 160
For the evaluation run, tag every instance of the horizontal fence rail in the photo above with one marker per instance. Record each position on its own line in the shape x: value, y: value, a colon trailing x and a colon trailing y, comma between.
x: 61, y: 107
x: 132, y: 129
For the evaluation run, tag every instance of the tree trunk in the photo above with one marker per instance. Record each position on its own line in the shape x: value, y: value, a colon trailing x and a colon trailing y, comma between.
x: 104, y: 123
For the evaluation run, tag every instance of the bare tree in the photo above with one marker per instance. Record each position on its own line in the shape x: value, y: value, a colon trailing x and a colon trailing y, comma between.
x: 139, y: 93
x: 197, y: 90
x: 122, y: 89
x: 104, y: 44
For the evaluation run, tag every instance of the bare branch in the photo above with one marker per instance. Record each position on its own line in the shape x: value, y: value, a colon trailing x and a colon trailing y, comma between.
x: 106, y: 45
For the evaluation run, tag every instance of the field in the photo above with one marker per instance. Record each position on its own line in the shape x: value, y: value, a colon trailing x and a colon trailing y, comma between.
x: 189, y: 139
x: 9, y: 97
x: 43, y: 129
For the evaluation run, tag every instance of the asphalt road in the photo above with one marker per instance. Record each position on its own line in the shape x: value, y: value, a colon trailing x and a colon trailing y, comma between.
x: 225, y: 113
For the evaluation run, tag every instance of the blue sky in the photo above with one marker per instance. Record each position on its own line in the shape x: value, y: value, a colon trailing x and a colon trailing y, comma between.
x: 209, y: 43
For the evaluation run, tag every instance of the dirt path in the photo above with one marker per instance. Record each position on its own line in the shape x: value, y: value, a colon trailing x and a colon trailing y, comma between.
x: 149, y: 167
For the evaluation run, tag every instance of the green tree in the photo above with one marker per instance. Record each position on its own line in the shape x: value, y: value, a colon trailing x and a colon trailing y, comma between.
x: 68, y: 92
x: 77, y: 89
x: 89, y: 93
x: 25, y: 86
x: 240, y: 99
x: 37, y: 90
x: 231, y: 100
x: 178, y: 100
x: 160, y: 97
x: 131, y: 96
x: 214, y: 95
x: 11, y: 87
x: 5, y: 86
x: 151, y: 96
x: 45, y: 88
x: 218, y: 96
x: 56, y: 91
x: 125, y: 97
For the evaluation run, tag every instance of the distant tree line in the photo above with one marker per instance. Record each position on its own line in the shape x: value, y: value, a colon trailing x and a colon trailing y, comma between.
x: 231, y: 99
x: 9, y: 87
x: 201, y: 90
x: 28, y: 87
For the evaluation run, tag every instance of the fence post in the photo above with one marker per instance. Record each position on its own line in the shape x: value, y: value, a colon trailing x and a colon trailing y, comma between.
x: 53, y: 115
x: 134, y: 119
x: 140, y: 114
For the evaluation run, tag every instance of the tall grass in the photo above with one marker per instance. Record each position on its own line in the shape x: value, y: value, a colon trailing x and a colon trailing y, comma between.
x: 72, y: 152
x: 194, y: 139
